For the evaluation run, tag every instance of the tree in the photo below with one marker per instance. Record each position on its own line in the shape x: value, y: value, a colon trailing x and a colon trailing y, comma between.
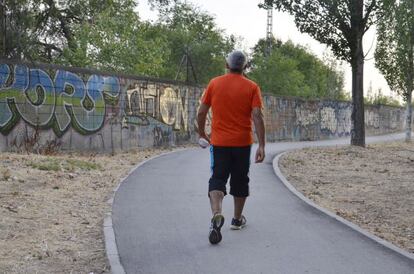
x: 292, y: 70
x: 109, y: 35
x: 335, y: 77
x: 116, y: 40
x: 162, y: 3
x: 341, y: 24
x: 17, y: 18
x: 279, y: 75
x: 394, y: 55
x: 40, y: 30
x: 378, y: 98
x: 193, y: 32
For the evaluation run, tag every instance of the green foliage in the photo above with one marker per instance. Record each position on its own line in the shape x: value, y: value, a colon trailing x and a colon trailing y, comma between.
x: 291, y: 70
x: 279, y: 75
x: 335, y: 23
x: 341, y: 25
x: 109, y: 35
x: 48, y: 165
x: 380, y: 99
x: 72, y: 164
x: 56, y: 164
x: 394, y: 55
x: 17, y: 18
x: 335, y: 79
x: 160, y: 4
x: 40, y: 30
x: 116, y: 40
x: 190, y: 30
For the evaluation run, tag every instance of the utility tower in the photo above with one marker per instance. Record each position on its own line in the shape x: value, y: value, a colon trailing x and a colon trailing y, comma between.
x: 186, y: 60
x: 269, y: 31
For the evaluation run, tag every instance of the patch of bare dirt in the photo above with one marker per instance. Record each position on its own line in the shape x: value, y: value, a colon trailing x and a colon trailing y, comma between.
x: 52, y: 210
x: 372, y: 187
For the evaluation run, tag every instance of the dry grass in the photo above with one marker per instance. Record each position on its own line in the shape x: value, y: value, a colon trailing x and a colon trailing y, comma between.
x: 372, y: 187
x: 52, y: 210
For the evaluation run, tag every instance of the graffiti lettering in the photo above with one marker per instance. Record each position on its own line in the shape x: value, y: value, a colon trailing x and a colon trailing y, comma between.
x: 306, y: 117
x: 372, y: 119
x: 160, y: 137
x: 32, y: 95
x: 328, y: 119
x: 344, y: 121
x: 168, y: 105
x: 142, y: 100
x: 129, y: 112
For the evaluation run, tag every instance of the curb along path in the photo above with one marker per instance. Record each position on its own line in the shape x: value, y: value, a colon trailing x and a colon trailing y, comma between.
x: 109, y: 234
x: 160, y: 219
x: 355, y: 227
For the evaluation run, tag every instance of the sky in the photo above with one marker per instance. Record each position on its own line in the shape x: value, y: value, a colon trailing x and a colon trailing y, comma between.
x: 244, y: 18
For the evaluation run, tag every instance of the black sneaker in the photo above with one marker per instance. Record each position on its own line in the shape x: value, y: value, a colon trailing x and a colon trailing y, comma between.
x: 238, y: 224
x: 216, y: 223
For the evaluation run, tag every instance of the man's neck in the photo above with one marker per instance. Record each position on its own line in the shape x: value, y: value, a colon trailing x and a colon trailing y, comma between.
x: 235, y: 72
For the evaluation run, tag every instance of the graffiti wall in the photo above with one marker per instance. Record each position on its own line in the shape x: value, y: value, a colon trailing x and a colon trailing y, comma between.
x: 303, y: 120
x: 81, y: 110
x: 78, y: 109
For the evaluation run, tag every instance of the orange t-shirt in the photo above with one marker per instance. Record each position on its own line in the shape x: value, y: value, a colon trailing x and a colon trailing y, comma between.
x: 232, y: 98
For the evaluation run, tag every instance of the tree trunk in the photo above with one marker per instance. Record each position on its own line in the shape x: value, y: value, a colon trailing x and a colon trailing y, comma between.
x: 408, y: 126
x: 357, y: 64
x: 3, y: 29
x: 358, y: 115
x: 410, y: 80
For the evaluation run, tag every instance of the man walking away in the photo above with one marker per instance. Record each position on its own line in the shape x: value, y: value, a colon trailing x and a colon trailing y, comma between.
x: 235, y: 101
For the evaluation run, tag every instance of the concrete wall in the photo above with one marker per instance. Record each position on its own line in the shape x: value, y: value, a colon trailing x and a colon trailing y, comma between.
x: 302, y: 120
x: 86, y: 110
x: 83, y: 110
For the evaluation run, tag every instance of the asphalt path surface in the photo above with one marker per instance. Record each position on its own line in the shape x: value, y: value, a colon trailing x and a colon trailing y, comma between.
x: 161, y: 219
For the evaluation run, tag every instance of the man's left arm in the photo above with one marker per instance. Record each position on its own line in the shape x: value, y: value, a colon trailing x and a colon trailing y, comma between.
x: 257, y: 115
x: 260, y: 132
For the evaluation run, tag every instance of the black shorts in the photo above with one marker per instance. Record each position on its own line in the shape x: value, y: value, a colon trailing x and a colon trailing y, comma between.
x: 230, y: 161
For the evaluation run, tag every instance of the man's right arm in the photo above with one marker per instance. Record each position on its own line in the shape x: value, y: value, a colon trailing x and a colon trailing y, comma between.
x: 260, y: 132
x: 201, y: 120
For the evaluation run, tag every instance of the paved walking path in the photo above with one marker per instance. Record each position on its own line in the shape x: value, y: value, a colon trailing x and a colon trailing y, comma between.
x: 161, y: 218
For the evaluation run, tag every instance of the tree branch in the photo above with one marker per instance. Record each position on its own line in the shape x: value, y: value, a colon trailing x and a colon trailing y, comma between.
x: 368, y: 14
x: 49, y: 46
